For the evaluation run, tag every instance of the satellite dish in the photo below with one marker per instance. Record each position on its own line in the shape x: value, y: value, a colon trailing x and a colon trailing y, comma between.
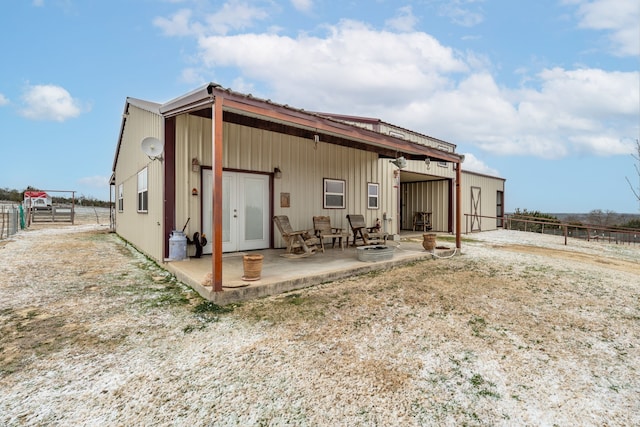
x: 400, y: 162
x: 152, y: 147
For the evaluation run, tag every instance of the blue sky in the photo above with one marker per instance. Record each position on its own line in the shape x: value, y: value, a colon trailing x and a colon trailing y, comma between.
x: 544, y: 93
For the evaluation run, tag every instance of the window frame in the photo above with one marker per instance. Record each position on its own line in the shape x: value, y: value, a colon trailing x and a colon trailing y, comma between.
x: 143, y: 191
x: 121, y: 197
x: 326, y: 193
x: 376, y: 196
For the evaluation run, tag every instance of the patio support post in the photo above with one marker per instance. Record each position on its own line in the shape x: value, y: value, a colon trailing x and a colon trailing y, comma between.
x: 216, y: 164
x: 458, y: 204
x: 169, y: 177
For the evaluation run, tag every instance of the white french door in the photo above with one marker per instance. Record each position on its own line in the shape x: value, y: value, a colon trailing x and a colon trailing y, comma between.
x: 245, y: 210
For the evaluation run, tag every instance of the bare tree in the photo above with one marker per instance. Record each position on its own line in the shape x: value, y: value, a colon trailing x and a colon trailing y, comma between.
x: 603, y: 218
x: 636, y: 156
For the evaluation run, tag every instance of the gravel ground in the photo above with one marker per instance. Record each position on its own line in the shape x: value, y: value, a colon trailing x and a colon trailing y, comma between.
x: 517, y: 330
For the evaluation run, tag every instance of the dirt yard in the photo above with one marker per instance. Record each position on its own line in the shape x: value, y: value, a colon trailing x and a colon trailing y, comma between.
x: 518, y: 330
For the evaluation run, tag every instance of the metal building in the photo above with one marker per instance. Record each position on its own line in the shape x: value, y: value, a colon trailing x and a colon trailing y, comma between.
x: 227, y: 162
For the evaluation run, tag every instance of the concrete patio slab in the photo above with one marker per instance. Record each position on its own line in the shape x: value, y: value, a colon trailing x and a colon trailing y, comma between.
x: 282, y: 274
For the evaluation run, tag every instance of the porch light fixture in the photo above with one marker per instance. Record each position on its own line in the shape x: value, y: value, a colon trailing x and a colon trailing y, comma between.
x: 277, y: 173
x: 195, y: 165
x: 427, y: 162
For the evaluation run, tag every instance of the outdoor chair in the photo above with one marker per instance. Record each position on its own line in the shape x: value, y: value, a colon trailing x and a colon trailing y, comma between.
x: 323, y: 230
x: 299, y: 243
x: 368, y: 235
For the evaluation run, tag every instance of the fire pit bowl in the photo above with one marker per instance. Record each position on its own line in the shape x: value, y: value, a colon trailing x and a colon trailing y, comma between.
x: 373, y: 253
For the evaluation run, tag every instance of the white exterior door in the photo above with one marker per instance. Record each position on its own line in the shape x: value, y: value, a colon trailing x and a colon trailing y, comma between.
x: 245, y: 210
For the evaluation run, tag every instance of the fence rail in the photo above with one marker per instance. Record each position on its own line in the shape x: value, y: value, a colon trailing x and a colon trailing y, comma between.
x: 9, y: 220
x: 54, y: 214
x: 586, y: 232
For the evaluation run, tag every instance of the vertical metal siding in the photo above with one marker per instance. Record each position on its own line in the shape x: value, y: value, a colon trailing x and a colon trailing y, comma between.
x: 426, y: 196
x: 143, y: 230
x: 304, y: 165
x: 489, y: 187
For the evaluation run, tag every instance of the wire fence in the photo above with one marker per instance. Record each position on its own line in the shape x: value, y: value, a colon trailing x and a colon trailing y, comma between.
x: 588, y: 232
x: 11, y: 219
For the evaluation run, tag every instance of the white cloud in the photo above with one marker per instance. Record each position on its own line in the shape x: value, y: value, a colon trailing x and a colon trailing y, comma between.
x: 49, y: 102
x: 3, y: 100
x: 178, y: 25
x: 404, y: 21
x: 461, y: 12
x: 233, y: 15
x: 335, y: 71
x: 620, y: 18
x: 38, y: 3
x: 572, y: 111
x: 473, y: 164
x: 302, y: 5
x: 192, y: 76
x: 412, y: 80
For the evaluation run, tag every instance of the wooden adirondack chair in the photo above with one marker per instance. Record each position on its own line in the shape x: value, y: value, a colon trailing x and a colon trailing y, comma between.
x: 324, y: 230
x: 299, y: 243
x: 369, y: 235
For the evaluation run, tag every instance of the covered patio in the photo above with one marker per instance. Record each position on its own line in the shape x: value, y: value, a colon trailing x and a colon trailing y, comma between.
x: 281, y: 274
x: 210, y: 117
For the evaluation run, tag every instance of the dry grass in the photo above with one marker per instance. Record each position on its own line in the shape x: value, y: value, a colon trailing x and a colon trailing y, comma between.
x: 93, y: 333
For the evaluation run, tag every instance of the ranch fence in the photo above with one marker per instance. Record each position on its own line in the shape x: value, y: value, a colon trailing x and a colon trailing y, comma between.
x: 588, y: 232
x: 11, y: 219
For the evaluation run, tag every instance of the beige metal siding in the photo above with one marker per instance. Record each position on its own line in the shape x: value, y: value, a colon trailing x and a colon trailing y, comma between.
x: 489, y: 186
x: 193, y: 140
x: 304, y: 165
x: 432, y: 194
x: 143, y: 230
x: 427, y: 196
x: 434, y: 169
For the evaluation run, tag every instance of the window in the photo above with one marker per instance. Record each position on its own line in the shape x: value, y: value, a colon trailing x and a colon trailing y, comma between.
x: 120, y: 197
x: 372, y: 195
x: 334, y: 197
x: 143, y: 194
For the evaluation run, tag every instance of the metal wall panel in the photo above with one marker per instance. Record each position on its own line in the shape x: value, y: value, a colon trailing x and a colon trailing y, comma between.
x: 143, y: 230
x: 304, y: 165
x: 426, y: 196
x: 487, y: 207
